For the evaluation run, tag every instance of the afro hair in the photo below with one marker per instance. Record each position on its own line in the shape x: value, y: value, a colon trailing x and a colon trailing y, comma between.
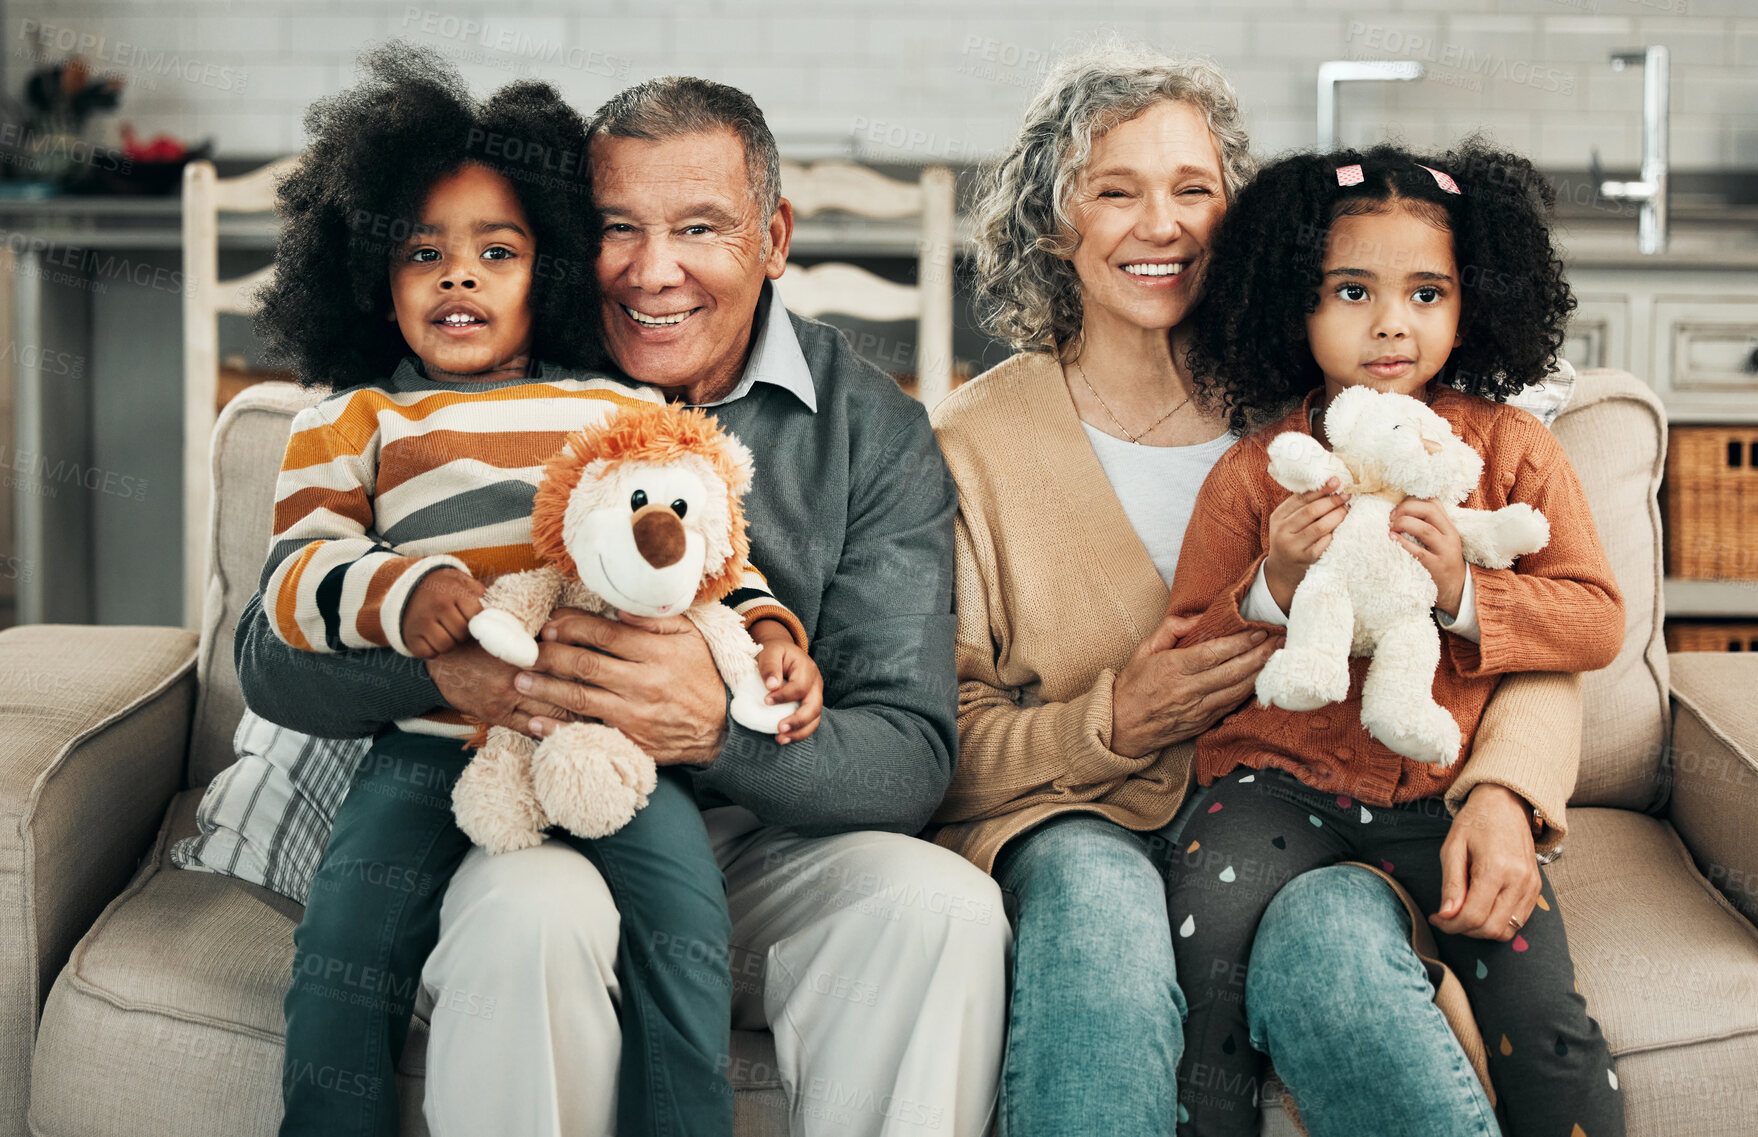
x: 375, y: 151
x: 1249, y: 352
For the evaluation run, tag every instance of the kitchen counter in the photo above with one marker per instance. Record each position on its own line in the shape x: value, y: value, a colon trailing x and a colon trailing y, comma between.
x: 1691, y: 244
x: 157, y: 223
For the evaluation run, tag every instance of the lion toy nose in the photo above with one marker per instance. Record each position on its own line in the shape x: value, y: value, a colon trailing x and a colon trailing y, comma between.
x: 1432, y: 445
x: 659, y: 536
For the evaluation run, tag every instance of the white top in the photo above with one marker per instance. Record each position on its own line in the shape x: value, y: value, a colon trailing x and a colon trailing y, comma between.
x: 1157, y: 486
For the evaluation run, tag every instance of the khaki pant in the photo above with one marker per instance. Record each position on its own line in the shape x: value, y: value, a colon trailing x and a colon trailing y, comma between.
x: 878, y: 961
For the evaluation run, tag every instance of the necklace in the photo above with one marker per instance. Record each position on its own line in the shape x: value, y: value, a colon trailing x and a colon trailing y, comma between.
x: 1113, y: 414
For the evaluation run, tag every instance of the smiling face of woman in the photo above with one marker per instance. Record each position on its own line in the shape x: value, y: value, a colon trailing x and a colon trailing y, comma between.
x: 1145, y: 207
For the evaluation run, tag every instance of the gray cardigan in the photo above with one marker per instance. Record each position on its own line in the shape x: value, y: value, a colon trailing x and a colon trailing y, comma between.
x: 851, y: 520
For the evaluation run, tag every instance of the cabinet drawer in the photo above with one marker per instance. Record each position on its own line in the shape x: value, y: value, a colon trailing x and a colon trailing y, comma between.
x: 1710, y: 346
x: 1598, y: 334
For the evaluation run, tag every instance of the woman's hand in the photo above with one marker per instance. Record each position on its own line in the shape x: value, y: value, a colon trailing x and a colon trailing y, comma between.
x: 1429, y: 534
x: 1300, y: 531
x: 1167, y: 693
x: 1489, y: 867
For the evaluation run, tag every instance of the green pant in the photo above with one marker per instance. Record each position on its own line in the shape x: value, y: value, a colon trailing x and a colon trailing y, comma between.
x: 373, y: 917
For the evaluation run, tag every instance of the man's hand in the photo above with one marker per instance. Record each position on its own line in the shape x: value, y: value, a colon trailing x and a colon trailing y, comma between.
x: 1489, y: 867
x: 476, y: 683
x: 651, y: 679
x: 1425, y: 529
x: 437, y: 615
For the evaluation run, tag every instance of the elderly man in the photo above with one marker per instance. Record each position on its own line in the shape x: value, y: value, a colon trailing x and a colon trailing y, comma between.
x: 877, y: 960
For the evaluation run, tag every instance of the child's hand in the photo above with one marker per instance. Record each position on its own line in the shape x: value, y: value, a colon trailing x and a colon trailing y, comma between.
x: 1428, y: 533
x: 791, y: 676
x: 1300, y: 530
x: 436, y: 617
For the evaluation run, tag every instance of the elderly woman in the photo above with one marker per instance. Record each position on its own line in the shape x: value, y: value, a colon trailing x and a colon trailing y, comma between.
x: 1077, y: 462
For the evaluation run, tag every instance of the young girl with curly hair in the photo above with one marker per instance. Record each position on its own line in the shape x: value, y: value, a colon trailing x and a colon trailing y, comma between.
x: 1432, y: 277
x: 436, y: 271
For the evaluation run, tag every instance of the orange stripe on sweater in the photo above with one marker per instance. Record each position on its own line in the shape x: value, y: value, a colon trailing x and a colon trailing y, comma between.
x: 360, y: 418
x: 317, y: 446
x: 369, y: 624
x: 287, y: 601
x: 353, y: 504
x: 498, y: 560
x: 409, y: 458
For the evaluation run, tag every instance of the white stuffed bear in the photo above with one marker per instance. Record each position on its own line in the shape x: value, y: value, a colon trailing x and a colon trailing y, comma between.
x: 1368, y: 595
x: 641, y: 514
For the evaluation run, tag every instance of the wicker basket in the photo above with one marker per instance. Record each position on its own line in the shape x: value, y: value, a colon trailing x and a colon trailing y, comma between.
x: 1712, y: 502
x: 1693, y: 635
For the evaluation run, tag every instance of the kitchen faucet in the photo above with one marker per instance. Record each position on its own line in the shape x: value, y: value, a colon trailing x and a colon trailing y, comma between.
x: 1335, y: 71
x: 1651, y: 190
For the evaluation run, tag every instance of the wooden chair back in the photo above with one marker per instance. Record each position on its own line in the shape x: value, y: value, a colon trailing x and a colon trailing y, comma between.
x: 205, y: 196
x: 852, y: 291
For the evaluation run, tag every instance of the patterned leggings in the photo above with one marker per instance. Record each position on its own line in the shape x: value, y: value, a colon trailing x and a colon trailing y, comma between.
x: 1261, y: 829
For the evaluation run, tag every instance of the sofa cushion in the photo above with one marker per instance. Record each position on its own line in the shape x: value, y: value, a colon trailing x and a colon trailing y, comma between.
x: 249, y: 439
x: 1668, y: 968
x: 266, y: 817
x: 1614, y: 430
x: 172, y: 1004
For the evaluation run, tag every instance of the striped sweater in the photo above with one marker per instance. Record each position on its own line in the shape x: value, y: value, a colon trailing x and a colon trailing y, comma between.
x: 383, y: 484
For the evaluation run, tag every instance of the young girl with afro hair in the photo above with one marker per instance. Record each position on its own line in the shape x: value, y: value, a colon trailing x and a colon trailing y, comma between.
x: 436, y: 271
x: 1433, y: 277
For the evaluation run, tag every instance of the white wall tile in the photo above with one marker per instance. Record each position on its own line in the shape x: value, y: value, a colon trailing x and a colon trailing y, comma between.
x: 1746, y: 47
x: 951, y: 79
x: 1688, y: 41
x: 1741, y: 145
x: 1307, y: 36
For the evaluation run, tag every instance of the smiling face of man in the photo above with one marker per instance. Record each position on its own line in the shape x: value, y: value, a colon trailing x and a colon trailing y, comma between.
x: 684, y: 257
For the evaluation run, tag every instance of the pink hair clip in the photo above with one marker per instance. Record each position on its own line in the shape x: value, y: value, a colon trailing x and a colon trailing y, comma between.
x: 1441, y: 179
x: 1351, y: 175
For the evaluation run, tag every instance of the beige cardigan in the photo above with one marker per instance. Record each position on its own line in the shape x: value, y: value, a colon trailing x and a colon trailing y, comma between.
x: 1054, y: 592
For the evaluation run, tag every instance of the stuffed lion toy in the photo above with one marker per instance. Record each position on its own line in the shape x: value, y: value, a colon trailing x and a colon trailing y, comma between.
x: 641, y: 514
x: 1367, y: 595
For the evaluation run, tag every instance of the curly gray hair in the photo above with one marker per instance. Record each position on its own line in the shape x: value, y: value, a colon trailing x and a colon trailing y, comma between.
x: 1027, y: 290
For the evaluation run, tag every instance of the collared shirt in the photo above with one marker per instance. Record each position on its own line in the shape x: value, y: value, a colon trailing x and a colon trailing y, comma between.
x: 776, y: 357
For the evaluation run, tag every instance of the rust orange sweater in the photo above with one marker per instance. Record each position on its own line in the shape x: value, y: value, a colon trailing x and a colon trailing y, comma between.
x: 1558, y: 609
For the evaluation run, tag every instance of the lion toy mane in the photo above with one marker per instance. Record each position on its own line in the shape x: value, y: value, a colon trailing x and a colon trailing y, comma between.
x: 641, y: 514
x: 1368, y: 596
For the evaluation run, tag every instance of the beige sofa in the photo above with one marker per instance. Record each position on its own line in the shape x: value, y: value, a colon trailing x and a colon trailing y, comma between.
x: 163, y: 988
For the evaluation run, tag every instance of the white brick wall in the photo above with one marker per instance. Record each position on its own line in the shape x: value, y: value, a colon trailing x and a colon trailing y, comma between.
x: 919, y: 80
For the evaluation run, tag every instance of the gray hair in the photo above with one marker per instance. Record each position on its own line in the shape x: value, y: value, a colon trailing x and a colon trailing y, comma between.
x: 1027, y: 290
x: 676, y: 105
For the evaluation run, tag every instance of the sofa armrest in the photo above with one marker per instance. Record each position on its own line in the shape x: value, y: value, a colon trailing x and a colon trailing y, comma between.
x: 94, y: 726
x: 1714, y: 766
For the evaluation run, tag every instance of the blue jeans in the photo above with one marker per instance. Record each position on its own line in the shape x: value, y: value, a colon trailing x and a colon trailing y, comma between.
x: 1335, y: 995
